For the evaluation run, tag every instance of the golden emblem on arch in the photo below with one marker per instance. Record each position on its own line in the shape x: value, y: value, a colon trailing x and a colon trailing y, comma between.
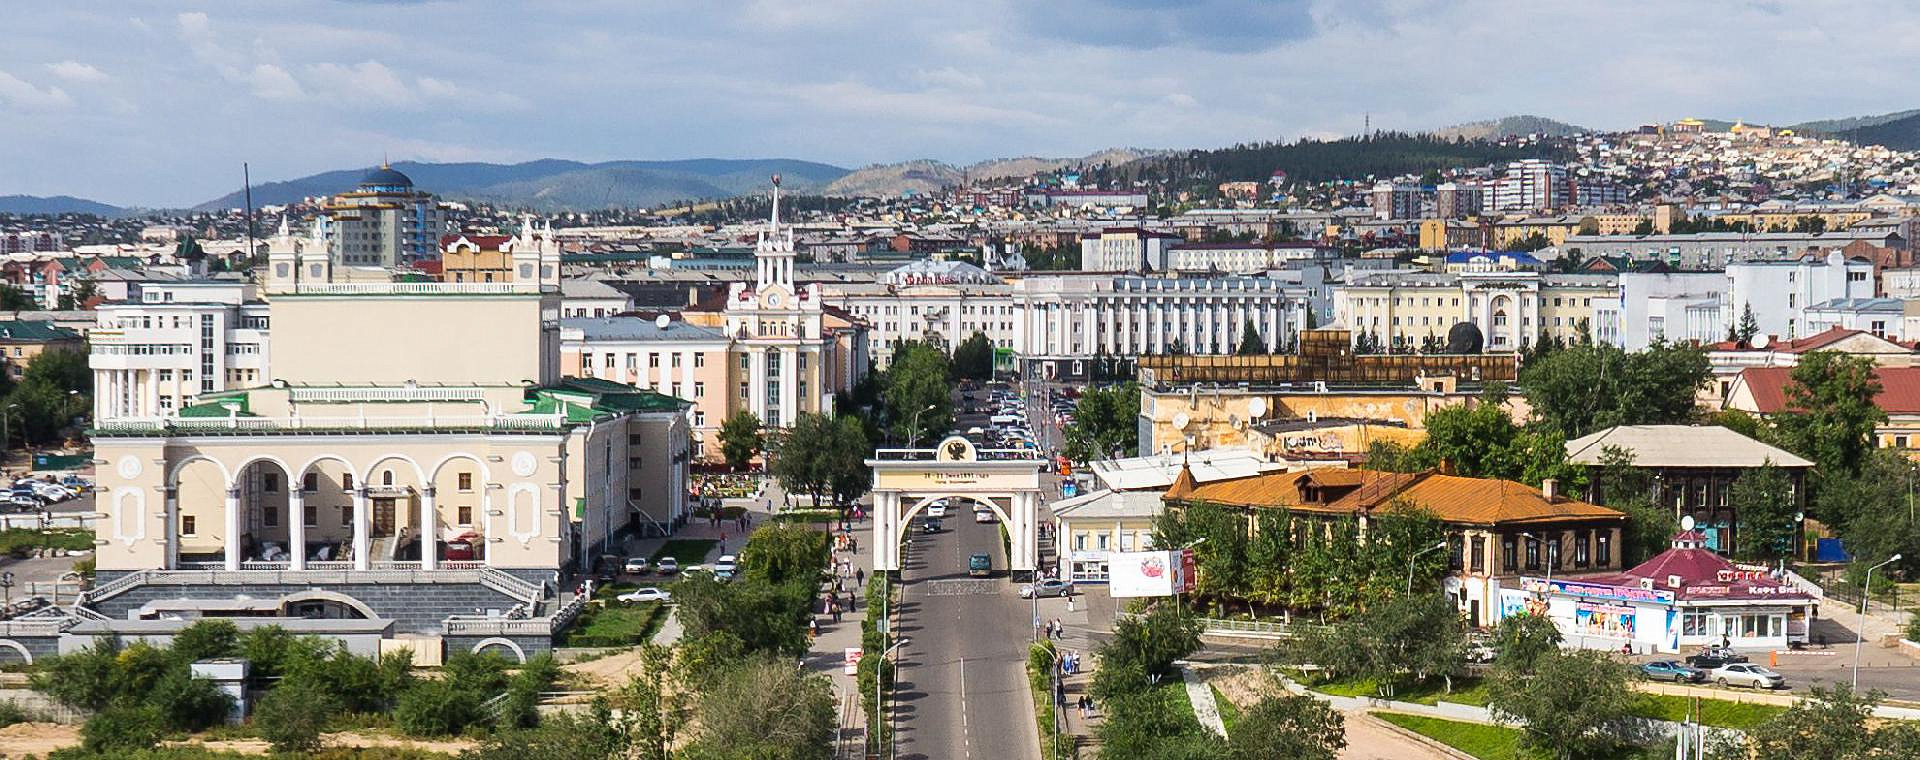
x: 956, y: 451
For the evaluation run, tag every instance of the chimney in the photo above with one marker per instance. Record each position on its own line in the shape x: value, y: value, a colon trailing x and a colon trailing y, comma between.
x: 1550, y: 488
x: 693, y: 296
x: 1446, y: 467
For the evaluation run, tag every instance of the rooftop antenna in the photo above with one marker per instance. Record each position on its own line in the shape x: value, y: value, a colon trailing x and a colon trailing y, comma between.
x: 246, y: 185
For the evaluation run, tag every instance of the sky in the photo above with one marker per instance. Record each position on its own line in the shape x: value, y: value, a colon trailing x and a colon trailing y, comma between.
x: 150, y: 103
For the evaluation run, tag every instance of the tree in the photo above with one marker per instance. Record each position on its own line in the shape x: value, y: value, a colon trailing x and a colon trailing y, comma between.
x: 1143, y: 649
x: 780, y: 552
x: 1284, y: 725
x: 916, y: 391
x: 1533, y: 242
x: 1832, y: 723
x: 1645, y: 227
x: 595, y: 735
x: 1250, y: 342
x: 1476, y: 440
x: 1831, y: 415
x: 1873, y: 512
x: 1406, y: 640
x: 741, y: 438
x: 78, y: 296
x: 1748, y: 328
x: 651, y: 706
x: 1763, y: 498
x: 207, y: 638
x: 1522, y: 639
x: 12, y: 298
x: 766, y: 709
x: 1629, y: 489
x: 759, y: 616
x: 1105, y: 421
x: 1569, y: 704
x: 824, y: 457
x: 1589, y: 386
x: 121, y: 727
x: 973, y: 358
x: 292, y: 716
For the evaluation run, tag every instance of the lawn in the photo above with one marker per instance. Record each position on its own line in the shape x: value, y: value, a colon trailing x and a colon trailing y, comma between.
x: 1713, y: 712
x: 1229, y: 712
x: 1466, y: 691
x: 689, y: 551
x: 1488, y: 742
x: 615, y: 625
x: 808, y: 516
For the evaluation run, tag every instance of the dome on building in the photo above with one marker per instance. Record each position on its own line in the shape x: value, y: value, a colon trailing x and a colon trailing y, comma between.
x: 1464, y: 338
x: 386, y: 176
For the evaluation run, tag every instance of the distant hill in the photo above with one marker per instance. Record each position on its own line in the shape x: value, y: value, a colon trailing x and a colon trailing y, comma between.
x: 555, y: 184
x: 58, y: 204
x: 1382, y: 154
x: 1510, y: 126
x: 1836, y: 126
x: 926, y: 176
x: 1902, y: 133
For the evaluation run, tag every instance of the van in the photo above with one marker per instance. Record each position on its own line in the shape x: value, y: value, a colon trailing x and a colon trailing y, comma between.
x: 1006, y: 420
x: 979, y: 565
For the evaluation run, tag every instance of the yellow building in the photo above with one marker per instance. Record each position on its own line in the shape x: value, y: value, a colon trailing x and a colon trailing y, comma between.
x: 476, y: 258
x: 1510, y: 309
x: 1509, y: 233
x: 1451, y: 234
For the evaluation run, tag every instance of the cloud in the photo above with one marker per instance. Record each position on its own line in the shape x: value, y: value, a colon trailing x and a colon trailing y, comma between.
x: 75, y: 71
x: 1230, y: 26
x: 367, y: 80
x: 24, y: 95
x: 273, y: 83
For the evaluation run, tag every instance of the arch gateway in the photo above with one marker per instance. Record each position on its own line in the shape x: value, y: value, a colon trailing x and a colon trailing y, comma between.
x: 905, y: 481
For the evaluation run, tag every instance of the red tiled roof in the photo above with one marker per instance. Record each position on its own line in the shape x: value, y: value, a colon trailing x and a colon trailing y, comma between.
x: 429, y: 266
x: 1813, y: 342
x: 1454, y: 499
x: 1899, y: 388
x: 1701, y: 575
x: 488, y: 242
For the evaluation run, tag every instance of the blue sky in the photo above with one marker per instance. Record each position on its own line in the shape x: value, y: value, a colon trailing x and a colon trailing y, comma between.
x: 142, y: 102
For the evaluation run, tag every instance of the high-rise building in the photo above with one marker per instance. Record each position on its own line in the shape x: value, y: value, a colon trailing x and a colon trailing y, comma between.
x: 1458, y: 200
x: 1530, y: 185
x: 384, y: 222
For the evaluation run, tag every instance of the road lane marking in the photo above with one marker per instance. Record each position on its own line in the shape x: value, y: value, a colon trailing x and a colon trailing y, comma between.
x: 966, y: 733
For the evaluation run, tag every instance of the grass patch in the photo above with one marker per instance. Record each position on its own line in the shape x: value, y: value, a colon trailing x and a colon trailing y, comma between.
x: 615, y: 625
x: 1229, y: 712
x: 1713, y: 712
x: 1466, y: 691
x: 22, y: 542
x: 1493, y: 742
x: 808, y: 516
x: 689, y: 551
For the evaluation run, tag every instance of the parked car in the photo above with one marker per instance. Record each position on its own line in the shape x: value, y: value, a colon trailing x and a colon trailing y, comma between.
x: 635, y: 565
x: 646, y: 594
x: 25, y: 501
x: 1748, y: 675
x: 1668, y: 670
x: 667, y: 566
x: 1715, y: 657
x: 726, y: 566
x: 1047, y: 587
x: 1481, y: 652
x: 52, y: 492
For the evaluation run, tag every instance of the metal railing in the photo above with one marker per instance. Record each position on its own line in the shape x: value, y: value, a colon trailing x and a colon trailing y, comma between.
x: 351, y: 395
x: 414, y: 288
x: 554, y: 421
x: 497, y: 626
x: 984, y: 455
x: 510, y: 584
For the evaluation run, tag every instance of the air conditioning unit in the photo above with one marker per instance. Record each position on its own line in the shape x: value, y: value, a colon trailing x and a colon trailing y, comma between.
x: 1673, y: 581
x: 1646, y: 584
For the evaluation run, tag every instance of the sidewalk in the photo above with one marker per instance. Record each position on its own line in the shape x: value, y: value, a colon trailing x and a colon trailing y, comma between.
x: 827, y: 654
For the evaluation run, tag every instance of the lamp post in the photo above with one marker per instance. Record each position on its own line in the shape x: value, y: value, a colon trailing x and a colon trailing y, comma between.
x: 1860, y: 635
x: 1548, y: 552
x: 915, y: 425
x: 877, y: 673
x: 1417, y: 555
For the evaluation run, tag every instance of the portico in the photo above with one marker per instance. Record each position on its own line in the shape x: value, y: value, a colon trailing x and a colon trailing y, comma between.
x: 1007, y: 481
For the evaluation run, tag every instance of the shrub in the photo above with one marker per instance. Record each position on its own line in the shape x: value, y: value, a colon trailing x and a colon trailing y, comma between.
x: 121, y: 727
x: 185, y: 703
x: 523, y: 692
x: 436, y: 708
x: 1913, y: 627
x: 207, y: 639
x: 292, y: 716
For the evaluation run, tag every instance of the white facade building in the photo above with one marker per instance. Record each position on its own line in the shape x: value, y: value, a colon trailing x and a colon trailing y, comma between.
x: 1782, y: 292
x: 172, y: 341
x: 1125, y: 249
x: 1677, y: 306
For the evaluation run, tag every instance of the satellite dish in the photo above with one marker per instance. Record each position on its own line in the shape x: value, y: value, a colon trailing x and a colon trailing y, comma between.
x: 1180, y: 420
x: 1686, y: 523
x: 1760, y: 341
x: 662, y: 321
x: 1257, y: 408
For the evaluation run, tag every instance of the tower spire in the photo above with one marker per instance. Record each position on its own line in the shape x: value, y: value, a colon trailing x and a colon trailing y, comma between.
x: 773, y: 219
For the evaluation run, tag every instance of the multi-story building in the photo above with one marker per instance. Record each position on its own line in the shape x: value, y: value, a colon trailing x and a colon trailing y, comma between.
x: 1394, y: 200
x: 1675, y: 306
x: 469, y: 257
x: 1458, y: 200
x: 31, y: 242
x: 384, y: 222
x: 23, y: 340
x: 1715, y: 250
x: 1530, y: 184
x: 172, y: 341
x: 1780, y: 293
x: 1511, y: 309
x: 418, y: 468
x: 1241, y: 258
x: 1125, y: 249
x: 1065, y: 323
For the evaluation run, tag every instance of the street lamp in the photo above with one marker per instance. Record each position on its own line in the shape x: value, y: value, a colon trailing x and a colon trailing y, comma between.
x: 876, y: 697
x: 915, y: 426
x: 1417, y: 555
x: 6, y: 430
x: 1860, y: 635
x: 1548, y: 550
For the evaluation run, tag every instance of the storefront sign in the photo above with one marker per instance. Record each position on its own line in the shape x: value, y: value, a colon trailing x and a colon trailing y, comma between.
x: 1596, y: 591
x: 1604, y: 619
x: 852, y: 662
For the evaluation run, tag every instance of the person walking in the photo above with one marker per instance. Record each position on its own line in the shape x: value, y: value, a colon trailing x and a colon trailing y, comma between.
x: 860, y: 577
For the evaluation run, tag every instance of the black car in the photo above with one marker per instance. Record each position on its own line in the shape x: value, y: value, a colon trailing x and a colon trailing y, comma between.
x: 1715, y: 657
x: 930, y: 526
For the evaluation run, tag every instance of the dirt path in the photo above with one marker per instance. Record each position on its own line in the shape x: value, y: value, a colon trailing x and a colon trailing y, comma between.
x: 340, y: 739
x: 613, y: 670
x: 23, y: 739
x: 1369, y: 738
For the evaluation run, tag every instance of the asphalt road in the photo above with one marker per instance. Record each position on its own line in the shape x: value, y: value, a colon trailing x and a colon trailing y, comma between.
x: 962, y: 684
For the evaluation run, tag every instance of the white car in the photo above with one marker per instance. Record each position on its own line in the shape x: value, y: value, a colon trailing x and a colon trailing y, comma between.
x: 635, y: 566
x: 726, y: 566
x: 52, y: 492
x: 647, y: 594
x: 937, y: 509
x: 983, y: 515
x: 1748, y: 675
x: 667, y: 566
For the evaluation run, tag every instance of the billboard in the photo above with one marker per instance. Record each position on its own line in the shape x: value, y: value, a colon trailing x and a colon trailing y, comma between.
x: 1144, y: 573
x: 1187, y: 573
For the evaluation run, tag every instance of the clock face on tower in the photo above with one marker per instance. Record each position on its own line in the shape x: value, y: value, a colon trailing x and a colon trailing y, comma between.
x: 773, y: 300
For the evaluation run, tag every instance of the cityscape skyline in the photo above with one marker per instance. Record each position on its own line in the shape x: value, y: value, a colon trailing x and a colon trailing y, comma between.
x: 164, y: 101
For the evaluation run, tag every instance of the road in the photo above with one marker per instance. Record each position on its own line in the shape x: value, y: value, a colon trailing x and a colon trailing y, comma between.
x: 962, y: 687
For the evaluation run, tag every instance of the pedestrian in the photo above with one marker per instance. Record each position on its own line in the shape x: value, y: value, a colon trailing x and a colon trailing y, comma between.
x: 1084, y: 706
x: 813, y: 628
x: 850, y: 601
x: 860, y: 576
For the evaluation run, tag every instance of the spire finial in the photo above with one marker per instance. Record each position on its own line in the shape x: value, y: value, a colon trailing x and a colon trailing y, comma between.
x: 774, y: 218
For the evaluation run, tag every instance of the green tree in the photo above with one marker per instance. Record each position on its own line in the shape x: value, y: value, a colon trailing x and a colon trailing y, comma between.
x: 1403, y: 641
x: 1833, y: 723
x: 1748, y: 328
x: 1589, y: 386
x: 1831, y: 415
x: 1569, y: 703
x: 824, y: 458
x: 206, y: 639
x: 1287, y: 726
x: 595, y: 735
x: 1476, y: 440
x: 12, y: 298
x: 1219, y: 538
x: 1105, y: 421
x: 292, y: 716
x: 780, y: 552
x: 1875, y: 511
x: 741, y: 438
x: 764, y: 708
x: 1522, y: 639
x: 1764, y: 500
x: 1533, y: 242
x: 1250, y: 341
x: 973, y: 358
x: 651, y: 705
x: 122, y: 727
x: 916, y: 391
x: 1143, y: 650
x: 761, y: 616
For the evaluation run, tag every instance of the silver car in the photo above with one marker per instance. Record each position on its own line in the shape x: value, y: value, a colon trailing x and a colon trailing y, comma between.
x: 1748, y: 675
x: 1048, y: 587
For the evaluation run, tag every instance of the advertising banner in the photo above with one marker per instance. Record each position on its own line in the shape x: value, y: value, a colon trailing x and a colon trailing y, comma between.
x: 1132, y: 574
x: 852, y: 662
x: 1187, y: 573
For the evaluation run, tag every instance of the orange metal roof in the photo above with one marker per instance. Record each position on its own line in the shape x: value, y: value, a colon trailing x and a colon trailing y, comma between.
x: 1454, y: 499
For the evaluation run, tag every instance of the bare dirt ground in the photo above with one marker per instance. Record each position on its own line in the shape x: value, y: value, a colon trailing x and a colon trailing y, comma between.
x: 613, y: 670
x: 23, y: 739
x: 345, y: 739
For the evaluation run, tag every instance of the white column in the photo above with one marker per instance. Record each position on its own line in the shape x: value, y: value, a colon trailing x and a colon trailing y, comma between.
x: 233, y: 528
x: 179, y: 399
x: 686, y: 375
x: 362, y: 536
x: 757, y: 385
x: 296, y: 527
x: 789, y: 384
x: 1025, y: 548
x: 885, y: 534
x: 171, y: 496
x: 152, y: 385
x: 429, y: 530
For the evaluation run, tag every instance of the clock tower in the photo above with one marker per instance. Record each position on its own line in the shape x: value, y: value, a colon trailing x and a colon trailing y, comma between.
x: 774, y: 254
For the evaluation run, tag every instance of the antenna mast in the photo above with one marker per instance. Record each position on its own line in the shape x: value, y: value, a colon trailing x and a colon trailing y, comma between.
x: 246, y: 184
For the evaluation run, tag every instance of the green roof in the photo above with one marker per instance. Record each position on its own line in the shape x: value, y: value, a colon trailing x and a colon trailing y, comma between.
x: 583, y: 398
x: 34, y: 331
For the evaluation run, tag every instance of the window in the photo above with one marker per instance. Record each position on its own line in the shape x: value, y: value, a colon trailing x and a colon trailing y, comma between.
x: 633, y: 463
x: 675, y: 361
x: 464, y: 481
x: 1603, y: 549
x: 1478, y: 561
x: 1693, y: 623
x: 1455, y: 546
x: 1506, y: 554
x: 270, y: 482
x: 636, y: 494
x: 1533, y: 554
x: 386, y: 478
x: 1582, y: 553
x: 1079, y: 542
x: 1101, y: 541
x: 466, y: 515
x: 346, y: 516
x: 270, y: 516
x: 310, y: 482
x: 653, y: 361
x: 699, y: 419
x: 346, y: 481
x: 699, y: 361
x: 187, y: 523
x: 699, y: 389
x: 310, y: 516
